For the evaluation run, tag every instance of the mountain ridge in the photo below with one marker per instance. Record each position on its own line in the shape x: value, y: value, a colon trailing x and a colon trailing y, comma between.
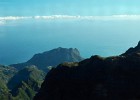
x: 133, y: 50
x: 96, y: 78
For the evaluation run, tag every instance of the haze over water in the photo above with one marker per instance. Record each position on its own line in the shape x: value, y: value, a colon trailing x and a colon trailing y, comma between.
x: 21, y: 39
x: 95, y: 27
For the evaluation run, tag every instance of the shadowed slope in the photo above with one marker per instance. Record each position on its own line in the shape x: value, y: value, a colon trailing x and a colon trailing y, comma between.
x: 96, y: 78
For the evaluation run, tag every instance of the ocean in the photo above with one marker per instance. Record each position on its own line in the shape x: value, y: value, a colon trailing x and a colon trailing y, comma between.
x: 21, y: 39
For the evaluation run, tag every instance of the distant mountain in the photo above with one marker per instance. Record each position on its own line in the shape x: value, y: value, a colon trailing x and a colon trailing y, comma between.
x: 96, y: 78
x: 26, y: 83
x: 52, y: 58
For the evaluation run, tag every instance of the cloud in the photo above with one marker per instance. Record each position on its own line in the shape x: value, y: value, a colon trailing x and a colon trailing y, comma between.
x: 4, y: 20
x: 103, y: 18
x: 57, y: 17
x: 13, y: 18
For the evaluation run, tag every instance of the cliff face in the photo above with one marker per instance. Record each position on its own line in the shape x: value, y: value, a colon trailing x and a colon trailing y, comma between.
x: 96, y: 78
x: 51, y: 58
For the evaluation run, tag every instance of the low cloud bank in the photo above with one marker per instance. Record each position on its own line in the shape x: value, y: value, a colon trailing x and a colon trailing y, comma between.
x: 68, y: 17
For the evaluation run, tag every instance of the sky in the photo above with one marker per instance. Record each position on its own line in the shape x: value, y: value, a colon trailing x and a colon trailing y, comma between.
x: 68, y: 7
x: 95, y: 27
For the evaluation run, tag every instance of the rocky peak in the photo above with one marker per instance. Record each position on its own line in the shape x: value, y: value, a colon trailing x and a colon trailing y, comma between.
x: 63, y: 50
x: 75, y: 50
x: 132, y: 50
x: 138, y: 46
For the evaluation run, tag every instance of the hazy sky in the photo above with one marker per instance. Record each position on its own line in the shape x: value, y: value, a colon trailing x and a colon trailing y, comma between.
x: 68, y: 7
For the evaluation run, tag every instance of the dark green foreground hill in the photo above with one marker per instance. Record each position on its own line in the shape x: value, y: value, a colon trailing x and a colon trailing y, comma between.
x: 26, y: 83
x: 6, y: 73
x: 20, y: 85
x: 96, y: 78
